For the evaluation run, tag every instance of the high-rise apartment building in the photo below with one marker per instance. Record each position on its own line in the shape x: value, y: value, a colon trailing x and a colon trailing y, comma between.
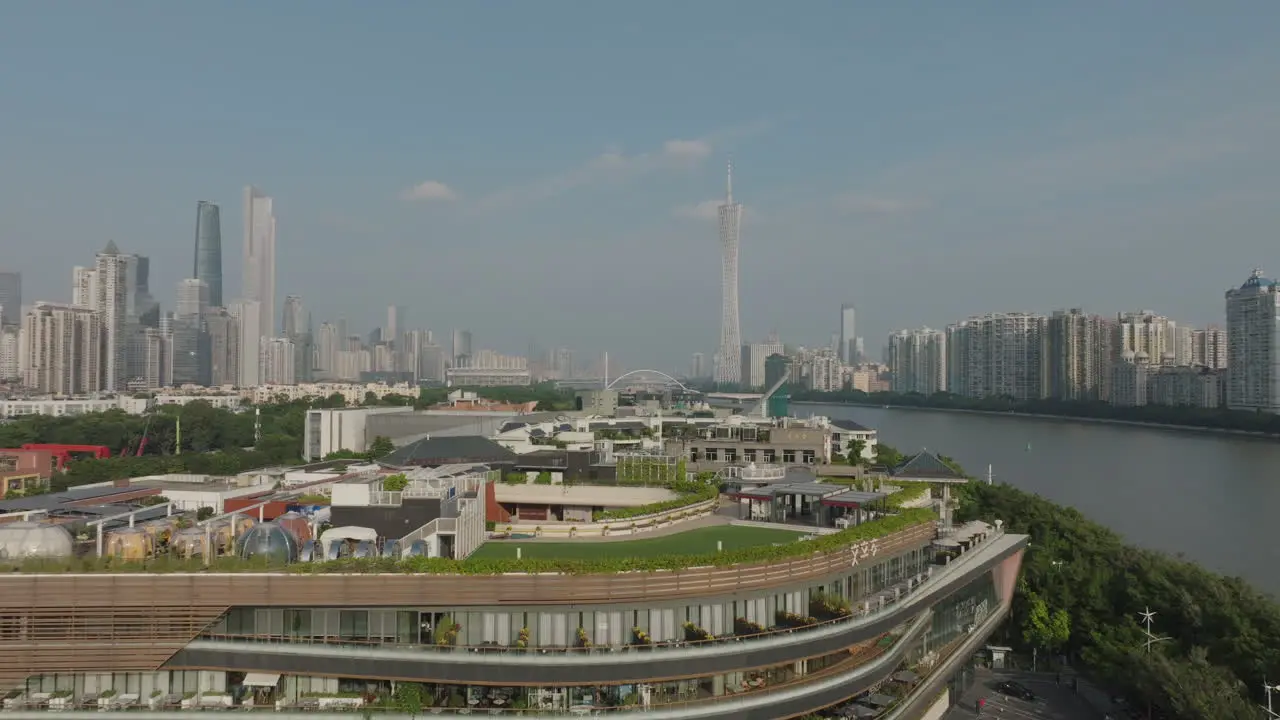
x: 116, y: 289
x: 189, y: 359
x: 248, y: 314
x: 158, y: 358
x: 328, y: 342
x: 752, y: 364
x: 395, y: 325
x: 208, y: 261
x: 64, y: 345
x: 1130, y: 379
x: 1209, y: 348
x: 10, y: 298
x: 699, y: 366
x: 431, y: 364
x: 260, y: 258
x: 224, y: 347
x: 461, y: 347
x: 918, y: 361
x: 728, y: 368
x: 278, y: 362
x: 1253, y: 345
x: 996, y: 354
x: 1079, y: 350
x: 84, y: 287
x: 10, y: 366
x: 146, y: 307
x: 294, y: 317
x: 1146, y: 332
x: 848, y: 334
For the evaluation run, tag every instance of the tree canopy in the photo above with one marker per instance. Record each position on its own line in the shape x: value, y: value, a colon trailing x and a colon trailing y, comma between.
x: 213, y: 440
x: 1081, y: 594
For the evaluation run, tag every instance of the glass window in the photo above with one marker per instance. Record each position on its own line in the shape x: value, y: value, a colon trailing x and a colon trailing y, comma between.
x: 353, y: 624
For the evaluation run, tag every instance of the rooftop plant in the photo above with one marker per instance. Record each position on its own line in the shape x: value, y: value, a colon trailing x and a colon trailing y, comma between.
x: 834, y: 542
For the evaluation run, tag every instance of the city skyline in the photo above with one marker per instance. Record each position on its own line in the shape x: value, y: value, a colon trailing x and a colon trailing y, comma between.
x: 949, y: 167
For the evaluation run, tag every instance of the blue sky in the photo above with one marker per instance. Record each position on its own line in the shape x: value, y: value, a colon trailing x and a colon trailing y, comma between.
x: 926, y: 161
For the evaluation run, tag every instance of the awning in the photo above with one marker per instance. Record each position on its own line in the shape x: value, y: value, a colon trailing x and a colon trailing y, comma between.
x: 261, y: 679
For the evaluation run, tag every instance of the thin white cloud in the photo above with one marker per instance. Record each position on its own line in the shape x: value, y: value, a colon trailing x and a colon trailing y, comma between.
x: 615, y: 165
x: 855, y: 203
x: 430, y: 191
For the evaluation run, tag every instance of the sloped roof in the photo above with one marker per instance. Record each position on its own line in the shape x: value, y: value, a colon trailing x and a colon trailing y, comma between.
x: 447, y: 450
x: 850, y: 425
x: 926, y: 466
x: 111, y: 248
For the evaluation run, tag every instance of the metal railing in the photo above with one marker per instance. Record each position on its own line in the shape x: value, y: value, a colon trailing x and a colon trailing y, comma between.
x: 866, y: 611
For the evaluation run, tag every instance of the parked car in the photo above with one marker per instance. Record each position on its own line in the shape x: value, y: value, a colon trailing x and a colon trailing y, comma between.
x: 1014, y: 689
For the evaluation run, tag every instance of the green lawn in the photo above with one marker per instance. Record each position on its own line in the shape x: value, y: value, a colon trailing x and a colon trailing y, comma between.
x: 692, y: 542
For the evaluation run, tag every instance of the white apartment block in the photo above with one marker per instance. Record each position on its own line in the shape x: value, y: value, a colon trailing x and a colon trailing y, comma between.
x: 996, y: 354
x: 1129, y: 380
x: 10, y: 366
x: 84, y: 287
x: 1209, y: 348
x: 1078, y: 350
x: 278, y: 361
x: 1199, y: 387
x: 1253, y: 345
x: 918, y: 361
x: 248, y: 315
x: 820, y: 370
x: 114, y: 301
x: 1146, y: 332
x: 64, y: 349
x: 58, y: 407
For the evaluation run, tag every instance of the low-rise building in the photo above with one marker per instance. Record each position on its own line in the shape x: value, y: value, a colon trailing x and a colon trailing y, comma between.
x: 58, y: 407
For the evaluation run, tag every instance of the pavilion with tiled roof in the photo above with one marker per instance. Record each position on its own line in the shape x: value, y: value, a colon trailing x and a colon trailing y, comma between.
x: 927, y: 467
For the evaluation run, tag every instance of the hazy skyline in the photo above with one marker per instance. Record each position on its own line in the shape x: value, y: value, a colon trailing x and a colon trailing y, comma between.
x: 553, y: 169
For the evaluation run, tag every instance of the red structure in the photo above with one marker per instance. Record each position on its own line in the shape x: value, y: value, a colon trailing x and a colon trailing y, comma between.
x: 63, y: 452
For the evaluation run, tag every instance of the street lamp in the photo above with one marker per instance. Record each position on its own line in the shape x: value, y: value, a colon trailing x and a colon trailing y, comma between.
x: 1268, y: 688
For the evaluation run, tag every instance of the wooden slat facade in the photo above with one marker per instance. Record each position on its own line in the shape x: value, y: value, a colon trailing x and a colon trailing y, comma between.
x: 101, y: 622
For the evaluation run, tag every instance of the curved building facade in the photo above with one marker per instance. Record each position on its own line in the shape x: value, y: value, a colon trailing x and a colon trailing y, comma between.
x: 765, y: 640
x: 208, y: 265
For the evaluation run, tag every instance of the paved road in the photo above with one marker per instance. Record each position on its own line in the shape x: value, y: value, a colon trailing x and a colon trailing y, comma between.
x: 1054, y: 702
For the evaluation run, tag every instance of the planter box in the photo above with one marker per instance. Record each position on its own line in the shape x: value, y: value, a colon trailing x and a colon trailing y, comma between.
x: 154, y: 702
x: 105, y: 703
x: 339, y: 702
x: 215, y: 700
x: 60, y: 703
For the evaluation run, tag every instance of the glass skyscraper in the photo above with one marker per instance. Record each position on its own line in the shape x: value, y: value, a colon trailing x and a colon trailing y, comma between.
x: 209, y: 250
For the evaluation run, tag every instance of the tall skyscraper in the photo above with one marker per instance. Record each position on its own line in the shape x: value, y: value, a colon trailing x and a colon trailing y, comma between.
x: 260, y: 258
x: 208, y: 265
x: 146, y: 307
x: 848, y: 334
x: 10, y: 298
x: 461, y: 346
x: 328, y: 343
x: 395, y: 325
x: 1253, y: 345
x: 729, y: 364
x: 248, y: 314
x: 294, y: 317
x: 84, y: 287
x: 697, y: 370
x: 224, y: 347
x: 190, y: 357
x: 115, y: 302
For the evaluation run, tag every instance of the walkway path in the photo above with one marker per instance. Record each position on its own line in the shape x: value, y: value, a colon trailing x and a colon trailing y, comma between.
x: 712, y: 520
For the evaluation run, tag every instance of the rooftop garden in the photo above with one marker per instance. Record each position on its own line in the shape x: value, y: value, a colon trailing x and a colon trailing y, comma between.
x: 671, y: 557
x: 731, y: 537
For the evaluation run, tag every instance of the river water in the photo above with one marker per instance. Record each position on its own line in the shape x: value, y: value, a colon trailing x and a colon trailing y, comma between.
x: 1213, y: 498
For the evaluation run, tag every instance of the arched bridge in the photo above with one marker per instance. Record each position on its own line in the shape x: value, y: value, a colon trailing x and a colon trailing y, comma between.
x: 665, y: 379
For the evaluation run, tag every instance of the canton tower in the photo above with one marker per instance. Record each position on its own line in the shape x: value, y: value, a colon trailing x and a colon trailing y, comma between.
x: 729, y: 357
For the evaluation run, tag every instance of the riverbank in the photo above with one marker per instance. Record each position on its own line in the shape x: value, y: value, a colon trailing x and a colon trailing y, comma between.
x: 1061, y: 418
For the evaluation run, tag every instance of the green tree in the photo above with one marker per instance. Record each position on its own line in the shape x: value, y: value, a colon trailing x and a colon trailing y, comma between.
x: 409, y: 697
x: 888, y: 456
x: 856, y: 447
x: 1042, y: 628
x: 381, y: 446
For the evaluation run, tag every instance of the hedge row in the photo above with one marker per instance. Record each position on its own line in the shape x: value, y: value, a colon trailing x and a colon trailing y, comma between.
x: 760, y: 554
x: 700, y: 492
